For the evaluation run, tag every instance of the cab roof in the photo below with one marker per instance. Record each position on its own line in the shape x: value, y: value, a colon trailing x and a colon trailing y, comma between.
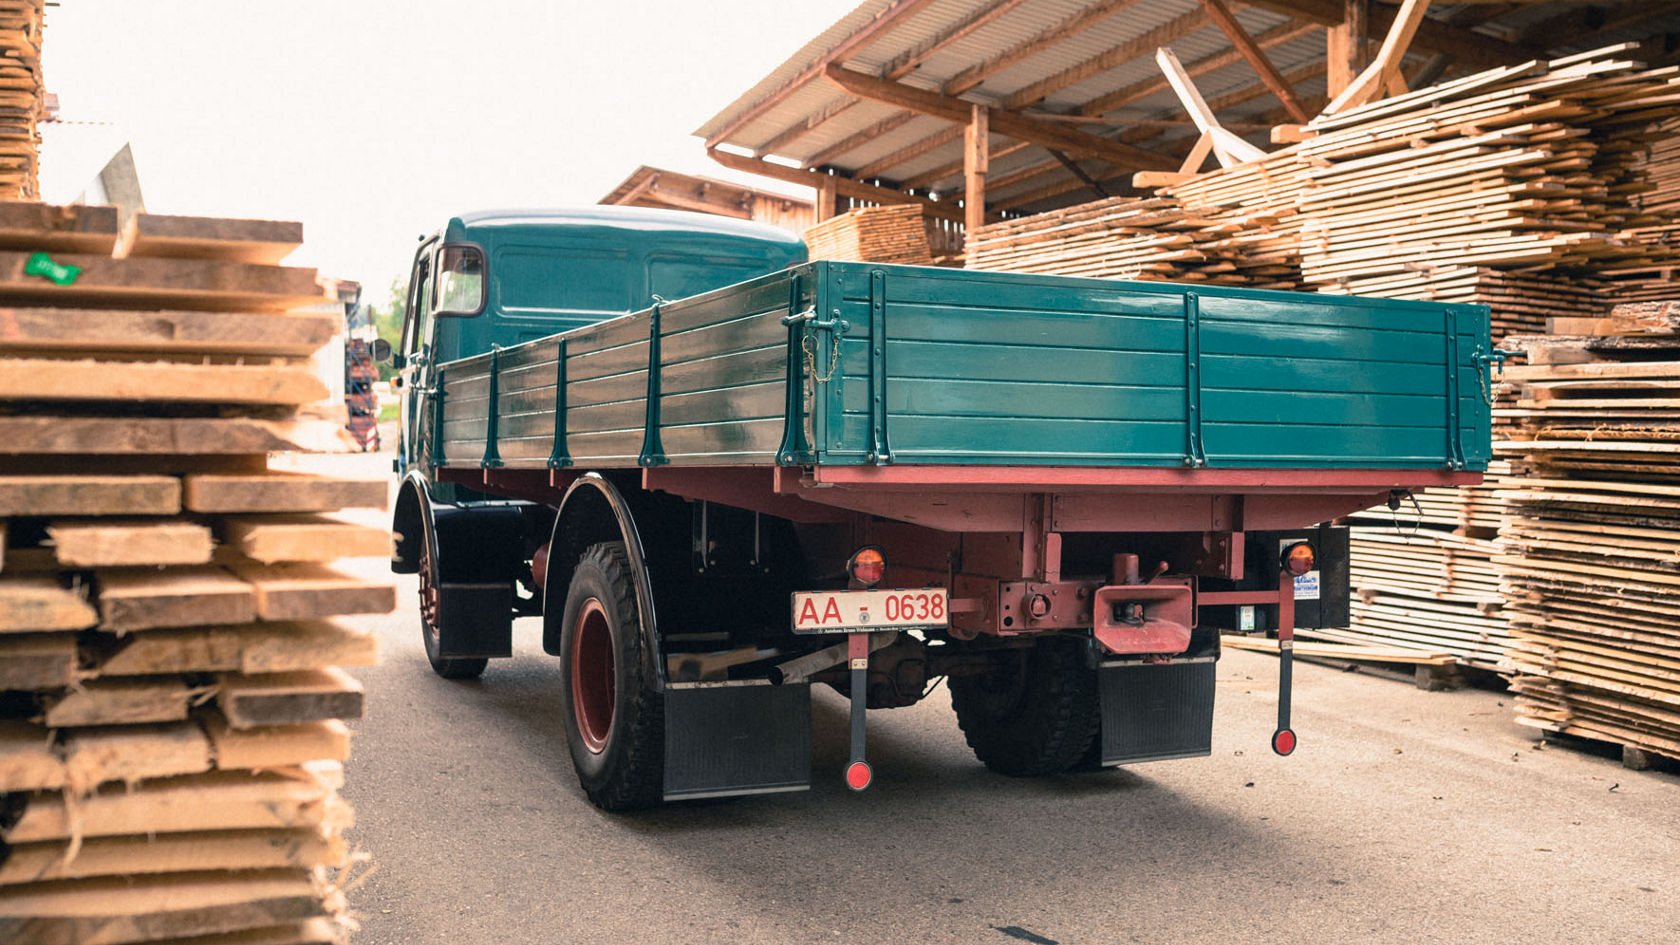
x: 645, y: 219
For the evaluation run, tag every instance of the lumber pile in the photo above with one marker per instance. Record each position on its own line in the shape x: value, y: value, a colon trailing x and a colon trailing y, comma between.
x: 1236, y: 226
x: 1594, y: 537
x: 21, y: 98
x: 890, y: 234
x: 1509, y: 187
x: 171, y: 627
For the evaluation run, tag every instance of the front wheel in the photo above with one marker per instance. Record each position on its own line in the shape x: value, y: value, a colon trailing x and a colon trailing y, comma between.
x: 1036, y: 713
x: 431, y: 626
x: 615, y: 719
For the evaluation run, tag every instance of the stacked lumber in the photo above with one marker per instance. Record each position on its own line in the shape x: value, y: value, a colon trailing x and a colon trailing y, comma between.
x: 1509, y: 187
x: 21, y: 97
x: 1231, y: 227
x: 171, y: 629
x: 889, y: 234
x: 1594, y: 539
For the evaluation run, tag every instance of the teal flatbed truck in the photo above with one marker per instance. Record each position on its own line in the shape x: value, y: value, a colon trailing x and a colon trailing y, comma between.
x: 720, y: 474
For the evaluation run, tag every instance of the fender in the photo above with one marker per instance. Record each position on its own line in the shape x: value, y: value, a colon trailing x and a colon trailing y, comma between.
x: 411, y: 524
x: 577, y: 526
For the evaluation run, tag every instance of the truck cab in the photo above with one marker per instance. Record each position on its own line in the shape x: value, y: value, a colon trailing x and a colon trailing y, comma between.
x: 496, y: 278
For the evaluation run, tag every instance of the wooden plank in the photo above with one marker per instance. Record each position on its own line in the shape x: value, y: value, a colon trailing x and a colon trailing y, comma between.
x: 32, y: 226
x: 182, y: 597
x: 112, y: 910
x: 39, y: 602
x: 32, y: 662
x: 55, y: 379
x: 103, y: 543
x: 276, y: 746
x: 264, y: 242
x: 276, y: 538
x: 169, y: 331
x: 172, y: 853
x: 28, y: 759
x: 198, y: 284
x: 120, y: 702
x: 38, y: 495
x: 268, y: 647
x: 251, y: 701
x: 219, y: 800
x: 131, y: 753
x: 1342, y: 652
x: 281, y: 492
x: 75, y: 435
x: 306, y: 591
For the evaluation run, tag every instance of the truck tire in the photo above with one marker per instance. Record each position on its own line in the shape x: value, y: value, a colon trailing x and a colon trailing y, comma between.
x: 431, y: 629
x: 615, y: 719
x: 1036, y: 714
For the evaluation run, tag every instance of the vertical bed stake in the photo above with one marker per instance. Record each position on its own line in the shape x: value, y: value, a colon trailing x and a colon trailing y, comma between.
x: 1194, y: 454
x: 558, y: 457
x: 1455, y: 449
x: 438, y: 462
x: 795, y: 447
x: 653, y: 451
x: 492, y: 458
x: 879, y: 452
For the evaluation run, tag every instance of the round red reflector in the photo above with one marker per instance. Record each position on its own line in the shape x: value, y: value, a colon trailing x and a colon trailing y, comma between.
x: 1283, y: 742
x: 1298, y: 558
x: 868, y: 566
x: 858, y: 775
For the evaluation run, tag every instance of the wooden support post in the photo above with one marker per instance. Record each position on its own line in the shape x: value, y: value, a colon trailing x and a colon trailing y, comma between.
x: 1384, y: 70
x: 828, y: 199
x: 977, y: 151
x: 1344, y: 45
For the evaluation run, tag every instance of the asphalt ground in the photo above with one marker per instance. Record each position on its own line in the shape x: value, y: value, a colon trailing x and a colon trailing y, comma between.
x: 1404, y: 816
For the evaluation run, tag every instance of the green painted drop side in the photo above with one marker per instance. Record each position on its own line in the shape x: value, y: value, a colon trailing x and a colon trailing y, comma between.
x: 940, y: 366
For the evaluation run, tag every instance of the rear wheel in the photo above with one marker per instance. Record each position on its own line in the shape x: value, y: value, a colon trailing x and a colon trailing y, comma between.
x: 431, y: 627
x: 615, y: 722
x: 1037, y: 713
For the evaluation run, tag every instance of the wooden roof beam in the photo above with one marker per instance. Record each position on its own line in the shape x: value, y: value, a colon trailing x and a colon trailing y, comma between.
x: 1370, y: 84
x: 896, y: 13
x: 844, y: 186
x: 930, y: 177
x: 1145, y: 45
x: 1467, y: 46
x: 1245, y: 44
x: 910, y: 152
x: 884, y: 126
x: 898, y: 68
x: 1138, y: 91
x: 1072, y: 26
x: 1004, y: 122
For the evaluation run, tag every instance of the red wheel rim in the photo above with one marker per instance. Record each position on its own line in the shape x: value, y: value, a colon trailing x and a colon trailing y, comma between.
x: 428, y: 595
x: 593, y: 688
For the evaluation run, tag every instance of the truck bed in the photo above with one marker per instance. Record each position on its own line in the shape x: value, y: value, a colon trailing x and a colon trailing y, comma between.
x: 950, y: 366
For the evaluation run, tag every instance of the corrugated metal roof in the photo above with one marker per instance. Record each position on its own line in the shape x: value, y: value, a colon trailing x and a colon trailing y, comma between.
x: 1106, y: 68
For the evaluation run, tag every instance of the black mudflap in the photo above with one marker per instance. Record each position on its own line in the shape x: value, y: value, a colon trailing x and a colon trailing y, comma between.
x: 477, y: 620
x: 1153, y: 711
x: 736, y: 739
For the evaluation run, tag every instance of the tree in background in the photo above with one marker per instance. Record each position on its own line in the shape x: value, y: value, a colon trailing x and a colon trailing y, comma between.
x: 388, y: 321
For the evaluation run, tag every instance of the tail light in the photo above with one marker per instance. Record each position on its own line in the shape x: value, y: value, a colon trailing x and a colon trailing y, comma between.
x: 1299, y: 558
x: 867, y: 566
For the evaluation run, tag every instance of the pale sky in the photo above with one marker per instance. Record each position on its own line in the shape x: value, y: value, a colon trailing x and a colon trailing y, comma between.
x: 373, y: 121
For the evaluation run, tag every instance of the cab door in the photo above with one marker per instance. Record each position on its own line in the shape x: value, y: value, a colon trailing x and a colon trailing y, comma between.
x: 418, y: 351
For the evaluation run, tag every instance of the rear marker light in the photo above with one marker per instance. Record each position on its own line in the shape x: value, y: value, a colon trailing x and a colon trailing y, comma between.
x: 858, y: 775
x: 867, y: 566
x: 1298, y: 558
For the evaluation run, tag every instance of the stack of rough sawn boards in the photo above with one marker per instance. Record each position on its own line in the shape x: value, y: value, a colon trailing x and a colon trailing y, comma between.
x: 1593, y: 569
x: 890, y: 234
x: 171, y: 707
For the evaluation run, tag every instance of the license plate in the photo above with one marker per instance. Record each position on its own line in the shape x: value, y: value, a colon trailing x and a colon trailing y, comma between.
x: 847, y: 611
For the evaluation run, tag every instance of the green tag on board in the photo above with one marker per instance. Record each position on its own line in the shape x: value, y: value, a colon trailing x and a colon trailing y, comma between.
x: 40, y: 264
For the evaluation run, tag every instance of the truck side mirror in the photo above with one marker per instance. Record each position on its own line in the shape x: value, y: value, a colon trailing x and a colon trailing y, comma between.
x: 382, y: 351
